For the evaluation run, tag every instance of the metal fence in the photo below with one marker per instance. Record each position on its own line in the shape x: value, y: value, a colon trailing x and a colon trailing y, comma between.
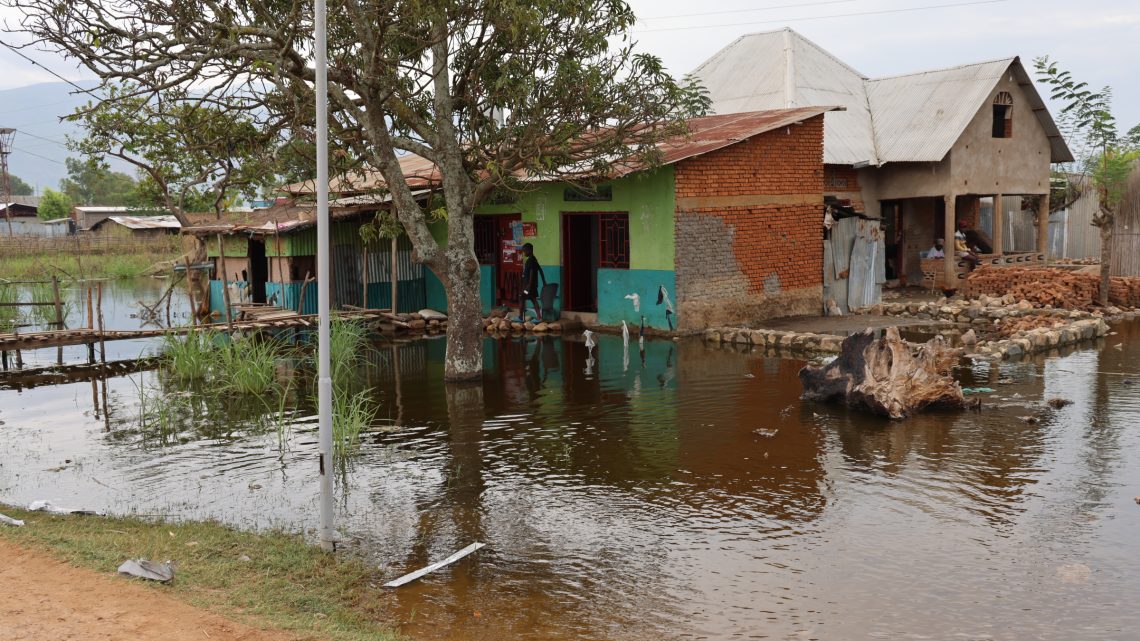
x: 88, y: 244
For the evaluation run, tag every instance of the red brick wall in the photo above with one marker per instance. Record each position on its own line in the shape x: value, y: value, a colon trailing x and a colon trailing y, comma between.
x: 842, y: 181
x: 749, y: 221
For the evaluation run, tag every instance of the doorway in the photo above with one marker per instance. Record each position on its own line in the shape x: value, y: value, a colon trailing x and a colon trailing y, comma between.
x: 258, y: 270
x: 581, y: 259
x: 495, y: 246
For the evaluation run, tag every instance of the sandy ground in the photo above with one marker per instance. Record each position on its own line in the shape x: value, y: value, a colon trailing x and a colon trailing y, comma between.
x: 43, y: 599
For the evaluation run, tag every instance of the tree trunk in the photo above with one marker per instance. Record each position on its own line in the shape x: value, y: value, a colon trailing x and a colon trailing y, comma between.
x: 1105, y: 262
x: 464, y: 360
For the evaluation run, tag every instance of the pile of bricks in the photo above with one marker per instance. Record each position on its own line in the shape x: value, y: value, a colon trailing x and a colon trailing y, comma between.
x: 1011, y: 325
x: 1058, y: 288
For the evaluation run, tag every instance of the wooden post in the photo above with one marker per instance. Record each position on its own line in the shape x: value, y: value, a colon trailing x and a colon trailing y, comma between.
x: 58, y: 302
x: 102, y: 343
x: 90, y: 311
x: 950, y: 262
x: 190, y: 293
x: 364, y: 252
x: 225, y: 282
x: 999, y: 225
x: 301, y: 297
x: 395, y: 277
x: 1043, y: 226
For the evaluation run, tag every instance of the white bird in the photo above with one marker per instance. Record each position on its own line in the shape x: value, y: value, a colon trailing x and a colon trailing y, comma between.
x: 590, y: 342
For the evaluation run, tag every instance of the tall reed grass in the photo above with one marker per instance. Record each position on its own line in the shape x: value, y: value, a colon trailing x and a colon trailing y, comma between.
x: 247, y: 366
x: 190, y: 357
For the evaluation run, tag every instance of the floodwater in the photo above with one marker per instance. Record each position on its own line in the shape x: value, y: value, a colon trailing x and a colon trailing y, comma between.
x: 683, y: 494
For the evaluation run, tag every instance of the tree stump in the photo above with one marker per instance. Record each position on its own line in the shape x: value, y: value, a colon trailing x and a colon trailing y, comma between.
x: 882, y: 376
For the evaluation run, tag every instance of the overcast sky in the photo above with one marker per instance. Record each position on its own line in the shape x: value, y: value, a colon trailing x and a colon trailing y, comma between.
x: 1098, y: 40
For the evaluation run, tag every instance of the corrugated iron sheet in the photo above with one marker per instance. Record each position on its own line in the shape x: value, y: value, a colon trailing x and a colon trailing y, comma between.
x: 908, y: 118
x: 147, y: 222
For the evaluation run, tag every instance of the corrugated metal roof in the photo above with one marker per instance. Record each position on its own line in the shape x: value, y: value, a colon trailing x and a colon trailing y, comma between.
x: 757, y: 71
x: 146, y: 222
x: 910, y: 118
x: 705, y: 134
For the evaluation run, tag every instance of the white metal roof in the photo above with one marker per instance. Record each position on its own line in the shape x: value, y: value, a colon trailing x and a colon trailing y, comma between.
x: 910, y: 118
x: 147, y: 222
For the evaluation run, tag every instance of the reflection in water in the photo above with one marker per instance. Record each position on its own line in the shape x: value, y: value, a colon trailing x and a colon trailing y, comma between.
x: 676, y: 491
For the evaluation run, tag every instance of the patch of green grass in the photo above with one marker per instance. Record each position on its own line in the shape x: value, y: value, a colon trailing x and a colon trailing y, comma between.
x: 190, y: 357
x: 285, y: 583
x: 9, y: 316
x: 247, y: 366
x: 45, y: 314
x: 347, y: 342
x: 351, y: 415
x: 80, y: 267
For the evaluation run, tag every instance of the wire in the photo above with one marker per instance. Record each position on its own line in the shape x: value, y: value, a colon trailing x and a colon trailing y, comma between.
x: 827, y: 17
x: 32, y: 153
x: 54, y: 142
x: 25, y: 57
x: 721, y: 13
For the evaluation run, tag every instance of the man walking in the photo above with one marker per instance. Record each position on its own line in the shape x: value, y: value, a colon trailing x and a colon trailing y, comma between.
x: 530, y: 275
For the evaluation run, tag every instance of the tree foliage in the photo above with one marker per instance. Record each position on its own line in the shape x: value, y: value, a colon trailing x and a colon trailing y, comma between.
x: 486, y: 90
x: 193, y: 156
x: 1105, y: 159
x: 53, y: 205
x: 19, y: 187
x: 91, y: 182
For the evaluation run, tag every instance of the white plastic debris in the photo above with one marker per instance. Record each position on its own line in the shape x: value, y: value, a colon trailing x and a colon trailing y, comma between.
x: 431, y: 314
x: 408, y: 578
x: 7, y: 520
x: 636, y: 301
x: 590, y: 342
x: 51, y: 508
x: 625, y: 333
x: 150, y: 570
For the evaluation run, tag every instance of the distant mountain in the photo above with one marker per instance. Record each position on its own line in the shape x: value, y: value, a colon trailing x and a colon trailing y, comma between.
x: 35, y: 112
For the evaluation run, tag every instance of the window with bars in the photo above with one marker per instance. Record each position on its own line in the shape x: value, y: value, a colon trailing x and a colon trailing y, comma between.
x: 613, y: 236
x: 486, y: 239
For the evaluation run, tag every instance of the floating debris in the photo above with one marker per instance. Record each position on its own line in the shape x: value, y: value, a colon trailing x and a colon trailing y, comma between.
x: 765, y: 432
x: 1058, y: 403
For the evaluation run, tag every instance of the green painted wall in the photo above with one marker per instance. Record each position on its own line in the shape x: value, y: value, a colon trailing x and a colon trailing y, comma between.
x: 647, y: 196
x: 235, y: 246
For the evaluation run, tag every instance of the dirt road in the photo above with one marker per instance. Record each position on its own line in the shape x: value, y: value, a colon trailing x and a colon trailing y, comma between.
x: 43, y: 599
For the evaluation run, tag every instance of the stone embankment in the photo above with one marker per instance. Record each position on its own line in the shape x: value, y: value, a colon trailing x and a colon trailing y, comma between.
x: 989, y: 326
x: 498, y: 325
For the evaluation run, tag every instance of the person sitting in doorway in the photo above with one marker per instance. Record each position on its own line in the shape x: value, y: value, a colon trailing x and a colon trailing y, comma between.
x: 529, y: 291
x: 937, y: 250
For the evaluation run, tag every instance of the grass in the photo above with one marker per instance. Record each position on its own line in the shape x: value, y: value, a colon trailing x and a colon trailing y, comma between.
x: 81, y: 267
x: 285, y: 583
x: 352, y: 414
x: 9, y: 316
x: 45, y: 314
x: 190, y: 357
x: 247, y: 366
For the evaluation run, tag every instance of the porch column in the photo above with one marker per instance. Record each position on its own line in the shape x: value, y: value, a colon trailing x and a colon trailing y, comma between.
x: 999, y: 224
x: 1043, y: 225
x: 950, y: 262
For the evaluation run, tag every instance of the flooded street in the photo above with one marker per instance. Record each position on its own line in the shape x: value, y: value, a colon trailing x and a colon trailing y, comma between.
x: 685, y: 493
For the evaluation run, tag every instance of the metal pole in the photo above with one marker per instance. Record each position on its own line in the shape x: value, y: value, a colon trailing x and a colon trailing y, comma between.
x: 324, y: 377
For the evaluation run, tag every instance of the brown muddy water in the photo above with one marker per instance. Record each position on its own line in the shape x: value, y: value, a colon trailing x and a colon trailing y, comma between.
x: 685, y: 494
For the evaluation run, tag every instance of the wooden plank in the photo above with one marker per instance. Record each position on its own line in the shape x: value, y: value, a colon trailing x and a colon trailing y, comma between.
x: 408, y: 578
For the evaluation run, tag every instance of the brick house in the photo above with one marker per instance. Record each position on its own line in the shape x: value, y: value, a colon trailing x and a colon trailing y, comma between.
x: 726, y: 228
x: 919, y: 151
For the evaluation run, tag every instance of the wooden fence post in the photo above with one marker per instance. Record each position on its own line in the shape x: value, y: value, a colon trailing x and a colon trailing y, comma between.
x: 225, y: 282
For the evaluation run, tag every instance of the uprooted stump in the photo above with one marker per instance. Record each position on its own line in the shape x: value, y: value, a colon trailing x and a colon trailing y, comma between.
x: 883, y: 376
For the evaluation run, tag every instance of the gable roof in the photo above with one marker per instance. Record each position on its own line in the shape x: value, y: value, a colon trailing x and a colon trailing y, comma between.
x: 908, y: 118
x: 706, y: 134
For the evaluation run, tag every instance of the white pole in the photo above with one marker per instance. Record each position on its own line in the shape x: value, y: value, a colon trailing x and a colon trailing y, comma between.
x: 324, y: 377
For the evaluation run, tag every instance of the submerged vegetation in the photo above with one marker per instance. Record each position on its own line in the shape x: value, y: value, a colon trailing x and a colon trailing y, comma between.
x: 242, y: 372
x: 253, y: 577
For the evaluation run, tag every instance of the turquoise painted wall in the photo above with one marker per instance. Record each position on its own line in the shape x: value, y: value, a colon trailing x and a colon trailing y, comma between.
x: 615, y: 284
x: 289, y: 295
x: 436, y: 295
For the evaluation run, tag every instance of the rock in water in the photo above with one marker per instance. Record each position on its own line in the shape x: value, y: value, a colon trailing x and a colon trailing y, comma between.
x: 883, y: 377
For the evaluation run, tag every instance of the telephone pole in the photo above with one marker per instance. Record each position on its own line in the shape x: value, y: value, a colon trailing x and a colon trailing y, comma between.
x: 7, y: 134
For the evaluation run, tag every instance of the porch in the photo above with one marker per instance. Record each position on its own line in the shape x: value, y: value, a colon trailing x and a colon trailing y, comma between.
x: 1007, y: 230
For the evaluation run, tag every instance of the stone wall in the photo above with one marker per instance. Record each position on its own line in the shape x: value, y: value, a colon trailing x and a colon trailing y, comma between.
x: 749, y: 229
